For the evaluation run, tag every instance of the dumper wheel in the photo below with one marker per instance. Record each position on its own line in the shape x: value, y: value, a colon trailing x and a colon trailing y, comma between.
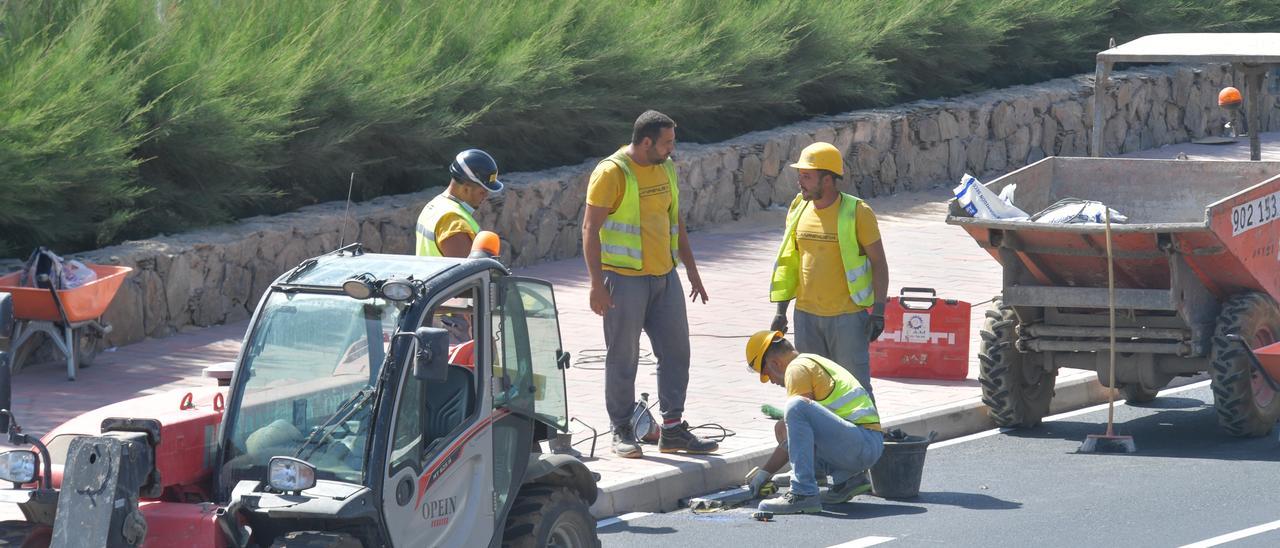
x: 1246, y: 406
x: 24, y: 534
x: 1134, y: 393
x: 549, y: 515
x: 1015, y: 386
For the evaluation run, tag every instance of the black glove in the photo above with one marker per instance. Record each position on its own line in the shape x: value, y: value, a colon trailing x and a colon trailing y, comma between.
x: 779, y: 323
x: 874, y: 327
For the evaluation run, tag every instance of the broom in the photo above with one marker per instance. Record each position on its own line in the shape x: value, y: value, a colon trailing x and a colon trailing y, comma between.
x: 1110, y: 442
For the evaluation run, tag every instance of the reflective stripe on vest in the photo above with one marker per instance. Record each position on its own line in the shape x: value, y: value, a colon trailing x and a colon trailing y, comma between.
x: 620, y: 242
x: 848, y: 399
x: 425, y: 240
x: 857, y: 269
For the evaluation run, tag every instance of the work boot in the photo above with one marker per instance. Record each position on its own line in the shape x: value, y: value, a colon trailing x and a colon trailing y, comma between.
x: 624, y: 444
x: 791, y: 503
x: 678, y: 438
x: 856, y: 485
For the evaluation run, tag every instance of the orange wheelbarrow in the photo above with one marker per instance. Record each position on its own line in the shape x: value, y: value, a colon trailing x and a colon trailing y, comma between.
x: 71, y: 318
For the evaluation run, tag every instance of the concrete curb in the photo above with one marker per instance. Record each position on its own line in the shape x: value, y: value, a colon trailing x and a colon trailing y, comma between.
x: 665, y: 491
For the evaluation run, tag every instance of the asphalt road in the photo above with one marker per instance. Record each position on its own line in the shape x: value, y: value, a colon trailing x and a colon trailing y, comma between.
x: 1188, y: 483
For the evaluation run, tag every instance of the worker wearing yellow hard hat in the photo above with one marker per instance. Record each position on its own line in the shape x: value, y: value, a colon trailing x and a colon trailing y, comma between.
x: 829, y: 420
x: 832, y: 263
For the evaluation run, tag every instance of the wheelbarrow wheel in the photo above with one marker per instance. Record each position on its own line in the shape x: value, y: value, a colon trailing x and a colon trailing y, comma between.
x: 1246, y: 405
x: 88, y: 343
x: 1015, y: 386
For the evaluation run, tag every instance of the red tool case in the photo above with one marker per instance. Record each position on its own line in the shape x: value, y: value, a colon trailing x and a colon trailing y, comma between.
x: 924, y: 337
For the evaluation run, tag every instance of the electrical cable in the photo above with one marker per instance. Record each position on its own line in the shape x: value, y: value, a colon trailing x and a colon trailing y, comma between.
x: 597, y: 355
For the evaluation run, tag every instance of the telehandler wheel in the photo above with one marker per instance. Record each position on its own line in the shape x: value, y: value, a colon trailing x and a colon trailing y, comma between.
x: 1015, y: 386
x: 24, y: 534
x: 1246, y: 406
x: 1134, y: 393
x: 549, y: 515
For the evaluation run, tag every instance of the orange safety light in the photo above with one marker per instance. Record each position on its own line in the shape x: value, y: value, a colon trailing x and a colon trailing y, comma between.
x: 1229, y: 97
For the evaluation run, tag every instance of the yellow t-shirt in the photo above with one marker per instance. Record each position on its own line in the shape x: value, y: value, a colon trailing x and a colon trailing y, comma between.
x: 450, y: 224
x: 823, y: 289
x: 805, y: 376
x: 605, y: 190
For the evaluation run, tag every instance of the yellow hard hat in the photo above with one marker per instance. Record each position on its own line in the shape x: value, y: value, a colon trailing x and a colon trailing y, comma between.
x: 821, y: 156
x: 756, y: 346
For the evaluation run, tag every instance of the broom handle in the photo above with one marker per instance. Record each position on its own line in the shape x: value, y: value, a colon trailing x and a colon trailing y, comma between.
x: 1111, y: 308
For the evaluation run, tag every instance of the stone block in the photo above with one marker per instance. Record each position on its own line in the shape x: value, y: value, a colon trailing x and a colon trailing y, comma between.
x: 866, y: 159
x: 127, y: 315
x: 1002, y: 121
x: 770, y: 160
x: 888, y: 175
x: 1049, y: 135
x: 927, y: 130
x: 997, y: 156
x: 177, y: 288
x: 956, y: 156
x: 980, y: 121
x: 1019, y: 145
x: 948, y: 126
x: 825, y: 134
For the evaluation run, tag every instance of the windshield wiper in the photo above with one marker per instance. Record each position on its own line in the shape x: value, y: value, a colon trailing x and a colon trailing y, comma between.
x: 325, y: 431
x: 303, y: 267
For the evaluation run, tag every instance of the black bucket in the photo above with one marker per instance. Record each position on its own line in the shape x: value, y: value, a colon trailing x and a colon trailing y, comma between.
x: 897, y: 474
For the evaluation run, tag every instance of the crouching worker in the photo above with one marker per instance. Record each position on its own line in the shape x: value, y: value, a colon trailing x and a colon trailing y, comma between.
x: 829, y: 422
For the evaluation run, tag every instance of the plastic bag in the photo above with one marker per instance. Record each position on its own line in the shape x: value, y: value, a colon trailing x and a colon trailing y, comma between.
x: 980, y: 202
x: 76, y: 274
x: 1077, y: 211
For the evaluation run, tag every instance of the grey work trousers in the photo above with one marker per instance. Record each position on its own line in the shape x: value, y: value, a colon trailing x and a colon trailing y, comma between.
x: 841, y: 339
x: 654, y: 304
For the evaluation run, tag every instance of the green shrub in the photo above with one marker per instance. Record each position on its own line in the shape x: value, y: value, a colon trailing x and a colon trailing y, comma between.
x: 127, y: 118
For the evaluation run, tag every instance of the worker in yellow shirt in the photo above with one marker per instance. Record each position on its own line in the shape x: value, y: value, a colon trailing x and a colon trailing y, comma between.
x: 632, y: 235
x: 832, y: 264
x: 446, y: 225
x: 829, y: 422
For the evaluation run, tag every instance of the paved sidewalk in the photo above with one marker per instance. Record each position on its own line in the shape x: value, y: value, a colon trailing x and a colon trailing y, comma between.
x: 734, y: 261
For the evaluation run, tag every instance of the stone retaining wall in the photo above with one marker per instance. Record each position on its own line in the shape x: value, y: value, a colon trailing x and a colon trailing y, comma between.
x: 216, y: 275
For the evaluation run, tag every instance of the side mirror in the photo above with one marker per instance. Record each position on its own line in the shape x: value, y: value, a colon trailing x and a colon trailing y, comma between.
x: 431, y: 361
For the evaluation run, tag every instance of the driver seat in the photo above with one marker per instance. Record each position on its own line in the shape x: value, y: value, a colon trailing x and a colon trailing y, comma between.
x: 448, y: 403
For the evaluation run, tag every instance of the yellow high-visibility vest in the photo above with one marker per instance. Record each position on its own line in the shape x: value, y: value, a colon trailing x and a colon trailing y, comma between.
x: 425, y: 240
x: 848, y: 399
x: 620, y: 241
x: 857, y: 269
